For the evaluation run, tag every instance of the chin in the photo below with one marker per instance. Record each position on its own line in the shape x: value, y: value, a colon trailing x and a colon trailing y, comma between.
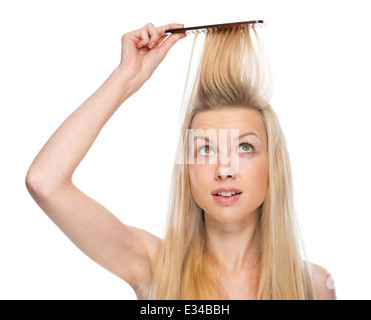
x: 230, y: 215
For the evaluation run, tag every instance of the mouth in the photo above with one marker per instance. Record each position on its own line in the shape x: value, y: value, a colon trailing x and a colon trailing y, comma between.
x: 226, y: 198
x: 226, y: 194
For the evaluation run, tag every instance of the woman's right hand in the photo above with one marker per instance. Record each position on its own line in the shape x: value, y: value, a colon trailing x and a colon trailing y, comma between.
x: 144, y: 49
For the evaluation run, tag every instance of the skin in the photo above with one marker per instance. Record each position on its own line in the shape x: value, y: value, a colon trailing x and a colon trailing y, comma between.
x: 250, y: 175
x: 230, y: 228
x: 126, y: 251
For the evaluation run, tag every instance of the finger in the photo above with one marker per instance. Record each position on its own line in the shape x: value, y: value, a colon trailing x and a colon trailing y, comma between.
x: 149, y: 36
x: 154, y: 36
x: 143, y: 37
x: 169, y: 42
x: 162, y: 38
x: 161, y: 30
x: 150, y: 30
x: 145, y: 33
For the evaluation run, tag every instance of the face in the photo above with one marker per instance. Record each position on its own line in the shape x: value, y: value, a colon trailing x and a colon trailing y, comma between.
x: 246, y: 172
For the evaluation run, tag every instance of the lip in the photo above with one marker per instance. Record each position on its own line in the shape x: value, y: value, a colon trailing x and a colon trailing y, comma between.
x: 225, y: 190
x: 227, y: 200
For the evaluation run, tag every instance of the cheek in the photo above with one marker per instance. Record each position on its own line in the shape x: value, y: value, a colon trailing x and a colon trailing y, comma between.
x: 255, y: 176
x: 200, y: 177
x: 196, y: 177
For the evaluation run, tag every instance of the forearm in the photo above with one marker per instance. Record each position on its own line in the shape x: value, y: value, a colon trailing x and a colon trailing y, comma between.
x: 55, y: 164
x: 62, y: 153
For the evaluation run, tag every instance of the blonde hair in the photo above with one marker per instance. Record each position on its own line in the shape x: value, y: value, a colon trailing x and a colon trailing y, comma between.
x: 232, y: 73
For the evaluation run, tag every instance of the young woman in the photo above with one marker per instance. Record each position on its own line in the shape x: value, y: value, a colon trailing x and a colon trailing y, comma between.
x: 231, y: 230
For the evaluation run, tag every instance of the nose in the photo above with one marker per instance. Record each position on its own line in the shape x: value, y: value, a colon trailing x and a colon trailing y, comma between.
x: 223, y: 172
x: 227, y: 166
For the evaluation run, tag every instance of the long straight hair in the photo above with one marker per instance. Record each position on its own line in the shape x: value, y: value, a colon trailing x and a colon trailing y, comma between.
x: 233, y: 72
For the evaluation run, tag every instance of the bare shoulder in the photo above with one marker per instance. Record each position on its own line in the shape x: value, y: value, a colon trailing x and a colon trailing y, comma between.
x: 323, y: 283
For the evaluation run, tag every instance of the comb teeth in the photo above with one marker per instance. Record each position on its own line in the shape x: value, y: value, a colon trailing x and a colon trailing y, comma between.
x: 214, y: 27
x: 206, y: 30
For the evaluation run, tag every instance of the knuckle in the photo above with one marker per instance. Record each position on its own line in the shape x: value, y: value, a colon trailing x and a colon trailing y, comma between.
x: 149, y: 25
x: 144, y: 34
x: 124, y: 37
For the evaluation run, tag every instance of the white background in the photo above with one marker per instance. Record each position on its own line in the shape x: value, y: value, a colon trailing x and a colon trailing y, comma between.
x: 55, y: 54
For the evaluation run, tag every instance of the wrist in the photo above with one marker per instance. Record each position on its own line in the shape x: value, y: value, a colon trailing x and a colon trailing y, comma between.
x: 128, y: 81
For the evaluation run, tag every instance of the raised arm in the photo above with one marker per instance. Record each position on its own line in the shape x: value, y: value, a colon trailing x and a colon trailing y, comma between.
x: 125, y: 251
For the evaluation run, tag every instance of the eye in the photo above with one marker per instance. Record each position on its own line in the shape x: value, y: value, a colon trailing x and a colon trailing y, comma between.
x: 207, y: 149
x: 246, y: 147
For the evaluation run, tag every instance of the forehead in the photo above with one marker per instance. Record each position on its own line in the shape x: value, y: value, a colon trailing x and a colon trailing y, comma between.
x: 230, y: 118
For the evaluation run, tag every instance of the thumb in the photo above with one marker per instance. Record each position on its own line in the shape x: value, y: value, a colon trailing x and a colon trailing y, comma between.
x: 168, y: 43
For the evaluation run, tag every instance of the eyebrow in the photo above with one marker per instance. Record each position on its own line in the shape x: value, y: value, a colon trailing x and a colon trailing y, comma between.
x: 249, y: 133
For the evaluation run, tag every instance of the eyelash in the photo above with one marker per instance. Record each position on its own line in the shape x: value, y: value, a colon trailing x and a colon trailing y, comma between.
x: 252, y: 146
x: 242, y: 143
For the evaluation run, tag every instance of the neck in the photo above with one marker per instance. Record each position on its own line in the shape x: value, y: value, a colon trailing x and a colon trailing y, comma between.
x: 235, y: 245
